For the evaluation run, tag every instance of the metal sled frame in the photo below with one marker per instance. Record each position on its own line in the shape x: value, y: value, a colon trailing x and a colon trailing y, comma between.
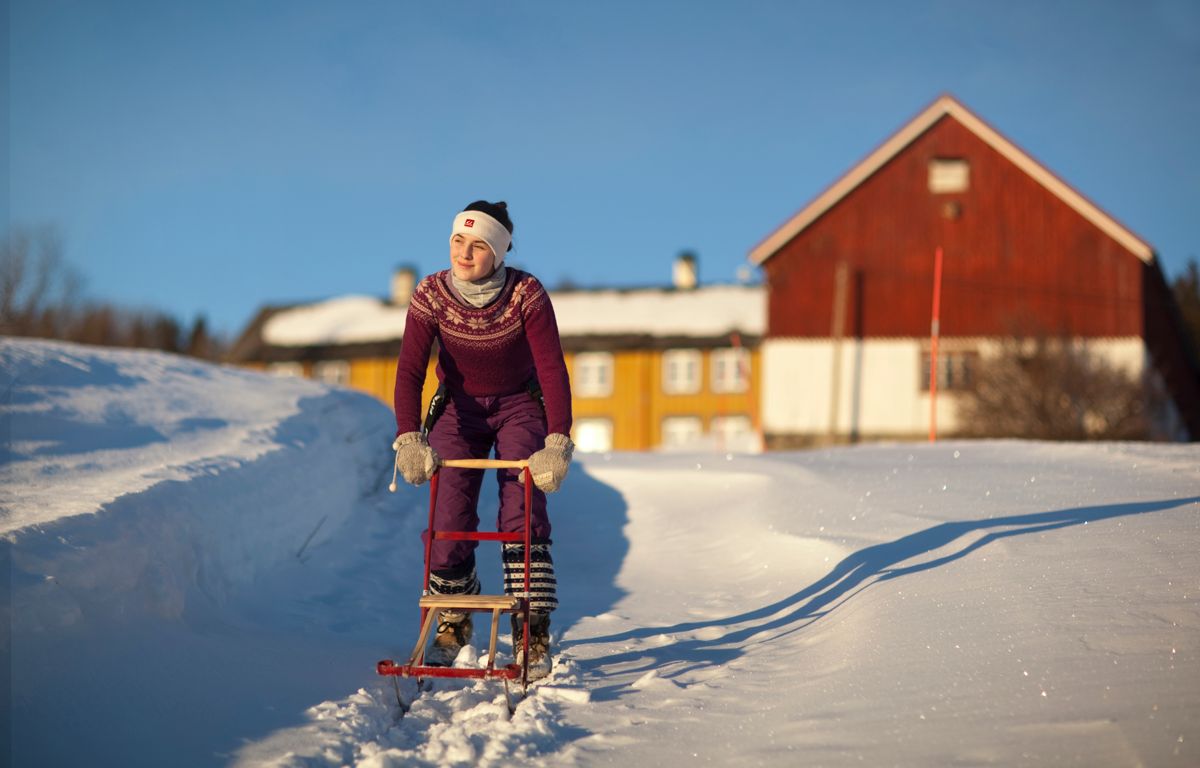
x: 431, y: 604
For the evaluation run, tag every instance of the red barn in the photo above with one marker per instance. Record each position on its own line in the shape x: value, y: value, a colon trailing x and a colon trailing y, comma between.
x: 850, y: 284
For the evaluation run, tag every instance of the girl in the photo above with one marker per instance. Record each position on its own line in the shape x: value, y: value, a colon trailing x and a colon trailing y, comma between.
x: 502, y: 384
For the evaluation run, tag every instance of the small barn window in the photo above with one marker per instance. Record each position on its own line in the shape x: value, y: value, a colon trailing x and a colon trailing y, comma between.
x: 955, y: 370
x: 949, y: 174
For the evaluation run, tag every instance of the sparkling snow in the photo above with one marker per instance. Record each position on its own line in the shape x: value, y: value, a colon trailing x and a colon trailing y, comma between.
x: 205, y: 566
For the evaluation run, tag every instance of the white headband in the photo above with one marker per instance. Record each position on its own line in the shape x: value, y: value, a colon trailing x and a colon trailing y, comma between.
x: 487, y: 229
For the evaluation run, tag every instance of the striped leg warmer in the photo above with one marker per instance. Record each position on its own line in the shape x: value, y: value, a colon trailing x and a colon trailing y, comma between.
x: 543, y: 588
x: 451, y: 583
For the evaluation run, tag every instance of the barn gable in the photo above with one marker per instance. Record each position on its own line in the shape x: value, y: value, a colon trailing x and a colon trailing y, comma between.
x: 947, y: 106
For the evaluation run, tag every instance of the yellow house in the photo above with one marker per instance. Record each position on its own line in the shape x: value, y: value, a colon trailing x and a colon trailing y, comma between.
x: 651, y: 368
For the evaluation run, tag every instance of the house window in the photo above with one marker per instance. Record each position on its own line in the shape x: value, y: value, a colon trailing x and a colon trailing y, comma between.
x: 335, y: 372
x: 730, y: 370
x: 593, y: 374
x: 681, y: 371
x: 286, y: 369
x: 949, y: 174
x: 593, y: 435
x: 732, y: 432
x: 955, y: 370
x: 681, y: 431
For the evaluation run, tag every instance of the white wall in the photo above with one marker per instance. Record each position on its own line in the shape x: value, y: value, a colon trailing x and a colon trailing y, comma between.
x: 880, y: 389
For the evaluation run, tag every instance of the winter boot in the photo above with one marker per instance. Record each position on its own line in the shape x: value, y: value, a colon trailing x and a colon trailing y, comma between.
x: 453, y: 632
x: 539, y: 643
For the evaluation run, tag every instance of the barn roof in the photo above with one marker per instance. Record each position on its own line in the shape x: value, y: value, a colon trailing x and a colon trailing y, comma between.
x: 942, y: 107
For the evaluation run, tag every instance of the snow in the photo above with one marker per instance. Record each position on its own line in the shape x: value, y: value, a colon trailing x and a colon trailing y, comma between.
x: 704, y: 312
x: 342, y: 320
x: 205, y: 566
x: 708, y: 311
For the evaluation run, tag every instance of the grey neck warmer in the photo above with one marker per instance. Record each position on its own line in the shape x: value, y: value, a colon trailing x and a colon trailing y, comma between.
x: 480, y: 293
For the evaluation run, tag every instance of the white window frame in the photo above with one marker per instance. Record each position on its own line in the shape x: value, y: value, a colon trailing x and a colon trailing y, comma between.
x: 730, y: 370
x: 731, y: 427
x: 681, y: 431
x: 682, y: 371
x: 593, y: 374
x: 284, y: 370
x: 593, y: 434
x: 333, y: 372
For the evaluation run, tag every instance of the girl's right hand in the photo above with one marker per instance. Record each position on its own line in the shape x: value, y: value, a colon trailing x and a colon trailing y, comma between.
x: 415, y: 460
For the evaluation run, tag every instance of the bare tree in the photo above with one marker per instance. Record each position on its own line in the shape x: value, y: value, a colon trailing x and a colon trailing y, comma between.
x: 40, y: 296
x: 38, y: 290
x: 1058, y: 389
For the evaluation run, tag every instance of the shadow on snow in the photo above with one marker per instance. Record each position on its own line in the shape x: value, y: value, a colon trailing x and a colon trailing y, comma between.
x: 868, y: 566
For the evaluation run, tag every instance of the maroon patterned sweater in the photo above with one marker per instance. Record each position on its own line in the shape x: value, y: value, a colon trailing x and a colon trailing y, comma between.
x: 496, y: 350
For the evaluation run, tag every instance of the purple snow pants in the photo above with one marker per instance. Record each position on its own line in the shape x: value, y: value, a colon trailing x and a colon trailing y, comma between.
x: 468, y: 429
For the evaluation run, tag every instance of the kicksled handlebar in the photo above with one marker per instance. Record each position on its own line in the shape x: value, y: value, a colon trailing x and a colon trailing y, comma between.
x: 471, y: 464
x: 484, y: 463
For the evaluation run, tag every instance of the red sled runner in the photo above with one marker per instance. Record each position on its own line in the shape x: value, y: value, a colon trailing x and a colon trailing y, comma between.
x: 431, y: 604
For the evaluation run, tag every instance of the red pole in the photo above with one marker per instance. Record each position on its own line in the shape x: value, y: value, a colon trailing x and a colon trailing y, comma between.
x: 934, y: 332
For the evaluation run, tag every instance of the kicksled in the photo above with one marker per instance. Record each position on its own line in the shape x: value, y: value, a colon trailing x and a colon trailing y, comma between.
x: 430, y: 604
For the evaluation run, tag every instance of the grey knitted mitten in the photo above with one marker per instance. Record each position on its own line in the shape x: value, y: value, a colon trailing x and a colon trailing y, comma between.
x: 414, y: 458
x: 549, y: 465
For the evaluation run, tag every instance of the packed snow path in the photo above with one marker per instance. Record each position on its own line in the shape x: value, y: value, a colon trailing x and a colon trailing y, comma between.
x: 205, y: 566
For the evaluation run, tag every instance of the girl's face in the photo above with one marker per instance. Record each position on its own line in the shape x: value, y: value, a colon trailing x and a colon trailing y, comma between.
x: 470, y: 257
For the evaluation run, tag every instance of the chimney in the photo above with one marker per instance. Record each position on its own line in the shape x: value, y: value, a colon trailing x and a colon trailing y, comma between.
x: 685, y: 274
x: 404, y: 282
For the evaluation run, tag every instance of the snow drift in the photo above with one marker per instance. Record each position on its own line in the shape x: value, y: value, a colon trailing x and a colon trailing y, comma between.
x: 205, y: 566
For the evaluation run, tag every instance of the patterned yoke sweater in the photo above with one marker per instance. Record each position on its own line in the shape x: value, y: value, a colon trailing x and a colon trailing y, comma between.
x: 495, y: 350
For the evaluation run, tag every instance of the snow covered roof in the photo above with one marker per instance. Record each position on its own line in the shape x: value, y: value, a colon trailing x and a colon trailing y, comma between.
x: 701, y: 312
x: 342, y: 320
x: 656, y: 312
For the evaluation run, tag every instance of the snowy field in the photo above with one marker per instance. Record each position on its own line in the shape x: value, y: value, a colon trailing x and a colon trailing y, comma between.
x: 205, y: 565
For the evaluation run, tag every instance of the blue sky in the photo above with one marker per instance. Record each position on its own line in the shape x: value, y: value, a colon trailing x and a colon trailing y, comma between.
x: 212, y: 157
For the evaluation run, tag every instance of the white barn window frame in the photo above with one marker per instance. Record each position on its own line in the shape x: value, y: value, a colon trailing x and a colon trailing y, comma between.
x: 948, y: 175
x: 956, y: 369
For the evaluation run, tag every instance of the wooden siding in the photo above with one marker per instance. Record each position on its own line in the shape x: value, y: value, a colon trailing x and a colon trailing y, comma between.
x: 1017, y: 259
x: 638, y: 404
